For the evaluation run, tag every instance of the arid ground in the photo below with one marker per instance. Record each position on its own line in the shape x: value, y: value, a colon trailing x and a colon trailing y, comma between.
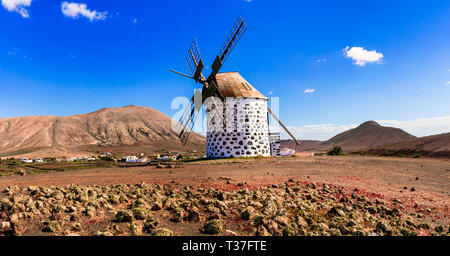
x: 366, y: 189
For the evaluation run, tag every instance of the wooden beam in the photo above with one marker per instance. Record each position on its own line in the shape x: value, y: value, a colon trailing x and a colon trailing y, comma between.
x: 284, y: 127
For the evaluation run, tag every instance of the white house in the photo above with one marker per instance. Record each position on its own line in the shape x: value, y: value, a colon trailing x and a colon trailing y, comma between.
x: 163, y: 158
x: 130, y: 159
x: 38, y: 160
x: 287, y: 152
x: 25, y: 160
x: 142, y: 160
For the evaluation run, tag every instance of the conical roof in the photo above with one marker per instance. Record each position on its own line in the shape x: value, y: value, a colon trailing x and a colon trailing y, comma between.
x: 232, y: 84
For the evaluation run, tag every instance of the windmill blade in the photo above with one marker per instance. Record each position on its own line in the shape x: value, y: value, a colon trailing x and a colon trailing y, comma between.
x: 194, y: 61
x: 188, y: 118
x: 284, y: 127
x: 181, y: 74
x: 233, y: 38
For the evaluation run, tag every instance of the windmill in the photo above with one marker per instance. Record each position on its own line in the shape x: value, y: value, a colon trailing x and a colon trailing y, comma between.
x: 237, y: 114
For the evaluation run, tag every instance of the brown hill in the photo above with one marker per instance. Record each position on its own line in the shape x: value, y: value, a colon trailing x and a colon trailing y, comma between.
x: 435, y: 145
x: 305, y: 145
x: 367, y: 135
x: 130, y: 126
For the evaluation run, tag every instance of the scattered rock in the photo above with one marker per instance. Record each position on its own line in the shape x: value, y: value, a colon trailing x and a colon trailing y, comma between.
x: 213, y: 227
x: 124, y: 216
x: 162, y: 232
x: 5, y: 226
x: 136, y: 229
x: 51, y: 226
x: 140, y: 213
x: 248, y: 213
x: 150, y: 224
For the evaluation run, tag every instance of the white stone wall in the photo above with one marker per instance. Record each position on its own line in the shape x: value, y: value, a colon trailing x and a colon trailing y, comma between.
x: 246, y: 133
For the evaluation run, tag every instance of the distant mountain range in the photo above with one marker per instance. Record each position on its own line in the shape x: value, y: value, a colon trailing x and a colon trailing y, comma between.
x: 107, y: 129
x: 372, y: 138
x: 134, y: 129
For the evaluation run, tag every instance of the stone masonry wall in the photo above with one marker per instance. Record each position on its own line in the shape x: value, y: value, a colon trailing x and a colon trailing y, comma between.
x: 246, y: 133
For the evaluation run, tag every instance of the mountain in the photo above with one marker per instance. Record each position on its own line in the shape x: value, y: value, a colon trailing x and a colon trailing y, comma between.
x: 435, y: 145
x: 129, y: 126
x: 367, y: 135
x: 305, y: 145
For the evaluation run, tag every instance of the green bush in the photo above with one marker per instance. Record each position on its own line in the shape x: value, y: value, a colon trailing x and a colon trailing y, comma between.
x: 335, y: 151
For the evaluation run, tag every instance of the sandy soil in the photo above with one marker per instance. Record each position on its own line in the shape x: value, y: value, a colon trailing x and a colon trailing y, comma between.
x: 380, y: 177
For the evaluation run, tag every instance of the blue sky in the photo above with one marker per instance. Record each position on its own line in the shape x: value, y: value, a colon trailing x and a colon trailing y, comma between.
x: 333, y: 64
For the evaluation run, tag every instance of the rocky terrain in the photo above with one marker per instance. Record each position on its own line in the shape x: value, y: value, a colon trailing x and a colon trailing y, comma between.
x: 290, y: 196
x: 290, y: 209
x: 54, y: 136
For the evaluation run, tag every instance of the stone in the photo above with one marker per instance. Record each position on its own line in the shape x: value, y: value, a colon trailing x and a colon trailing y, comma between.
x: 248, y: 213
x: 439, y: 229
x: 262, y: 231
x: 5, y: 226
x: 289, y: 231
x: 150, y: 224
x: 123, y: 216
x: 282, y: 220
x: 424, y: 225
x: 193, y: 214
x: 136, y: 229
x: 336, y: 212
x: 141, y: 213
x: 162, y: 232
x: 334, y: 232
x: 76, y: 226
x: 104, y: 233
x: 213, y: 227
x: 382, y: 226
x: 52, y: 226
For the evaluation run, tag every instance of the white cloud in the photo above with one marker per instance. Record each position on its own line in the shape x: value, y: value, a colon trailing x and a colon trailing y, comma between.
x: 75, y: 10
x: 13, y: 52
x: 316, y: 132
x: 448, y: 82
x: 321, y: 60
x: 362, y: 56
x: 19, y: 6
x: 309, y: 91
x: 418, y: 127
x: 134, y: 21
x: 270, y: 93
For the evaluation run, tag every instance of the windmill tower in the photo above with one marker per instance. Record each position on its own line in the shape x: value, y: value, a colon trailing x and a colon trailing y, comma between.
x: 237, y: 114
